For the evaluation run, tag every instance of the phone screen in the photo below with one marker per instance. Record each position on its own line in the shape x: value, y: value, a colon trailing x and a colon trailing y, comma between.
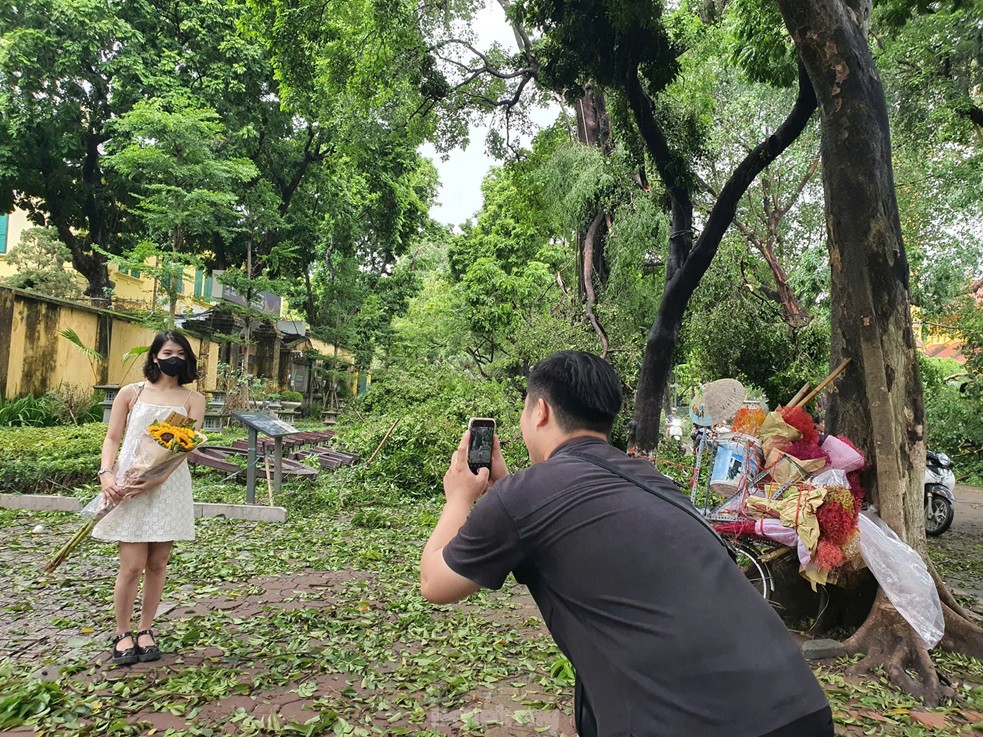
x: 480, y: 446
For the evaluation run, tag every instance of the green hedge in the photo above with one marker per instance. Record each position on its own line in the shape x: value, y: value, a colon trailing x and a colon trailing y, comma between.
x: 36, y: 460
x: 433, y: 406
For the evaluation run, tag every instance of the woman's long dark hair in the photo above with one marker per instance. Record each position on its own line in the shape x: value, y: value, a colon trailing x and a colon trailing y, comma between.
x: 152, y: 371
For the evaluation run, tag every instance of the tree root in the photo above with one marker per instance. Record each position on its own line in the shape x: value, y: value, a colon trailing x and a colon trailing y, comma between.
x: 961, y: 635
x: 945, y: 595
x: 889, y: 643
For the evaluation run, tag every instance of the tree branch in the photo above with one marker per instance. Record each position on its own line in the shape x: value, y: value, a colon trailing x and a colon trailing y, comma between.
x: 589, y: 240
x: 763, y: 154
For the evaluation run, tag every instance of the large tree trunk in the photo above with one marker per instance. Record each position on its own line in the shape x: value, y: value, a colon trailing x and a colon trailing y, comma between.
x: 879, y: 403
x: 90, y: 264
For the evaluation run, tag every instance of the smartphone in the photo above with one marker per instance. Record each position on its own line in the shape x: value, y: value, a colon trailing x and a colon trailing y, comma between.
x: 480, y: 446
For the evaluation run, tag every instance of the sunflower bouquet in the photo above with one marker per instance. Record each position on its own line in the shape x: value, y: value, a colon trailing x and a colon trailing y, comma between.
x: 159, y: 451
x: 163, y: 448
x: 175, y: 437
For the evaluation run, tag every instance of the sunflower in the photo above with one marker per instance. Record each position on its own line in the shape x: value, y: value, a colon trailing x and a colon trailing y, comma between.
x: 174, y: 437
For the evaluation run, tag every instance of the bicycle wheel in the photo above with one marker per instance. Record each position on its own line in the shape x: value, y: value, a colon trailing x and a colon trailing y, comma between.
x: 756, y: 572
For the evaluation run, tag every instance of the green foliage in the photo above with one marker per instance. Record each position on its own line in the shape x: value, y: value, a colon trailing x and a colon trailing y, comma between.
x: 73, y: 404
x: 733, y: 332
x: 603, y: 42
x: 630, y: 298
x: 26, y: 412
x: 49, y: 459
x: 175, y: 161
x: 69, y: 404
x: 967, y: 321
x: 35, y: 700
x: 433, y: 406
x: 762, y: 46
x: 292, y: 396
x: 41, y: 260
x: 954, y: 415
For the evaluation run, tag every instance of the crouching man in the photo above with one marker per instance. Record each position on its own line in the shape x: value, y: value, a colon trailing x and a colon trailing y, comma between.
x: 667, y: 636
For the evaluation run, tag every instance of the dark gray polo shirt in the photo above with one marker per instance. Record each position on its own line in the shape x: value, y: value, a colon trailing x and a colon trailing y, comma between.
x: 666, y: 634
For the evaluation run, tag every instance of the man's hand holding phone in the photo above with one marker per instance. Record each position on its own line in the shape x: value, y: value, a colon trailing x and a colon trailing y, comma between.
x: 477, y: 464
x: 461, y: 484
x: 498, y: 468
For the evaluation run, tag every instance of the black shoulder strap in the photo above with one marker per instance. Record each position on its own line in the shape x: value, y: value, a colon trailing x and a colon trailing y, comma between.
x: 678, y: 503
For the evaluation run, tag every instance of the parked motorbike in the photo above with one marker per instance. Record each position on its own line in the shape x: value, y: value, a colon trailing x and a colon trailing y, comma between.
x: 940, y: 483
x: 674, y: 430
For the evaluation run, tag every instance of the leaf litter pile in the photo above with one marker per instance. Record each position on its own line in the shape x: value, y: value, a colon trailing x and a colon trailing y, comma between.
x: 317, y: 627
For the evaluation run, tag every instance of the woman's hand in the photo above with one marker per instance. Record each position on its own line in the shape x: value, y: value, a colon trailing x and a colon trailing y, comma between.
x: 111, y: 488
x: 138, y: 487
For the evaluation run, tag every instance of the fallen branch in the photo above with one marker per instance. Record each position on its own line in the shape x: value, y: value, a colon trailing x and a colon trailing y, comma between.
x: 384, y: 439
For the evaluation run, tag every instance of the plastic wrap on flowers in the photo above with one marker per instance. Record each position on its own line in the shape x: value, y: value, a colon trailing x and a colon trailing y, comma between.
x: 775, y: 426
x: 842, y: 454
x: 904, y: 578
x: 98, y: 507
x: 748, y: 421
x: 831, y: 477
x: 164, y: 447
x: 785, y: 468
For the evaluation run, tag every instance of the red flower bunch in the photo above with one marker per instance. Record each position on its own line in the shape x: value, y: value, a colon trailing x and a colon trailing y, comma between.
x: 806, y: 451
x: 736, y: 529
x: 801, y: 421
x: 856, y: 490
x: 828, y: 555
x: 837, y: 516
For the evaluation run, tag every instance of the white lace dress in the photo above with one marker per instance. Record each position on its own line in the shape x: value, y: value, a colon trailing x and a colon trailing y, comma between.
x: 158, y: 515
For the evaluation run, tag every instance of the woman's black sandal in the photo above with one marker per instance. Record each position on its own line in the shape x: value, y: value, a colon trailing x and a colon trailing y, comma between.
x: 151, y: 652
x: 125, y: 657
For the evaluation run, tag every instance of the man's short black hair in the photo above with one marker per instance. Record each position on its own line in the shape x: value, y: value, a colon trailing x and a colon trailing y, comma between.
x: 152, y: 371
x: 583, y: 390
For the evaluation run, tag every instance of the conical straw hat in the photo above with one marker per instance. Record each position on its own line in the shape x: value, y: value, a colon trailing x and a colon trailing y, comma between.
x: 719, y: 401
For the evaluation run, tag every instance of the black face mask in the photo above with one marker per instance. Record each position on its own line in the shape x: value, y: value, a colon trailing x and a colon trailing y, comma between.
x: 172, y: 366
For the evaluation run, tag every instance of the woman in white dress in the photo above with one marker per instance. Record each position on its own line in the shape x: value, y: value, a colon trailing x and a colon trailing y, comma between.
x: 150, y: 515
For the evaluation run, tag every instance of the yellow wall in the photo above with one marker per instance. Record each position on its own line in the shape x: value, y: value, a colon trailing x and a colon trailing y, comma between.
x: 327, y: 349
x: 35, y: 357
x: 39, y: 358
x: 132, y: 290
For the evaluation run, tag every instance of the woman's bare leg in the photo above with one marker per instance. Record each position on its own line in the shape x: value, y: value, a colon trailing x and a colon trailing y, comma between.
x: 132, y: 561
x: 153, y: 585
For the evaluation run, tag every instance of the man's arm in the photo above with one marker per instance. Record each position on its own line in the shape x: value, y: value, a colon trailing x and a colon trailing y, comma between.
x: 438, y: 583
